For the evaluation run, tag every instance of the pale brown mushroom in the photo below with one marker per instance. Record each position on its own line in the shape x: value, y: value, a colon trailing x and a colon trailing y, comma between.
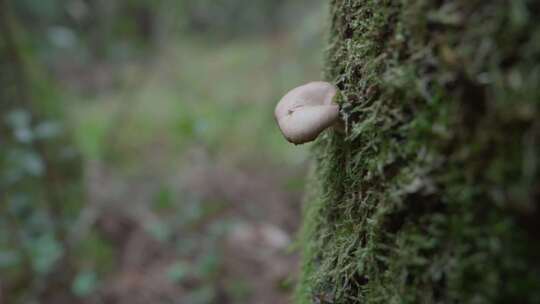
x: 304, y: 112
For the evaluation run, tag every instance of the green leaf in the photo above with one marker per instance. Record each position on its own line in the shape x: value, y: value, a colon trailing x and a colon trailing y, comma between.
x: 84, y: 283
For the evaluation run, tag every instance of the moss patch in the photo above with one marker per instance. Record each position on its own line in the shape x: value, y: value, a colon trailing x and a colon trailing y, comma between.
x: 432, y: 195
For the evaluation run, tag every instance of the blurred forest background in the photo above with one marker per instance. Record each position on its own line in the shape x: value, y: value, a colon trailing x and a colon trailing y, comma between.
x: 139, y: 159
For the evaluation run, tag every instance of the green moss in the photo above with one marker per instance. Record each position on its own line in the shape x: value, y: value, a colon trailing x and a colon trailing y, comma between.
x: 432, y: 195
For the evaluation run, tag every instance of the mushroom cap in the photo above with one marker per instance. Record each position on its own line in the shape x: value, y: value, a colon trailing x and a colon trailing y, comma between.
x: 304, y: 112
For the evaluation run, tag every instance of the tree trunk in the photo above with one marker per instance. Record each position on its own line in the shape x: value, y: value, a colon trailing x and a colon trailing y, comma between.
x: 432, y: 195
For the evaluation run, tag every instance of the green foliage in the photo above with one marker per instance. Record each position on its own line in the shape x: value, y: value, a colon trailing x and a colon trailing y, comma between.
x: 194, y: 100
x: 432, y: 194
x: 84, y: 283
x: 234, y: 16
x: 40, y: 175
x: 192, y: 108
x: 141, y: 96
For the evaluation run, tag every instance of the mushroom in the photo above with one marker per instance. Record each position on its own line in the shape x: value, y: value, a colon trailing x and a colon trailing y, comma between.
x: 304, y: 112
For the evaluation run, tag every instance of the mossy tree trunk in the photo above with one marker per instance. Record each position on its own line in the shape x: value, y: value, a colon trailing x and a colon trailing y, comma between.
x: 432, y: 196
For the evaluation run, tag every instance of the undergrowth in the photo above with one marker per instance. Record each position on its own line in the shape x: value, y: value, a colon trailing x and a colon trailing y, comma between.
x: 432, y: 194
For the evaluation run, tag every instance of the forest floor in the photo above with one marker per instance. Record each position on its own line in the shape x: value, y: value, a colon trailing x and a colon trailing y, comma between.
x: 192, y: 194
